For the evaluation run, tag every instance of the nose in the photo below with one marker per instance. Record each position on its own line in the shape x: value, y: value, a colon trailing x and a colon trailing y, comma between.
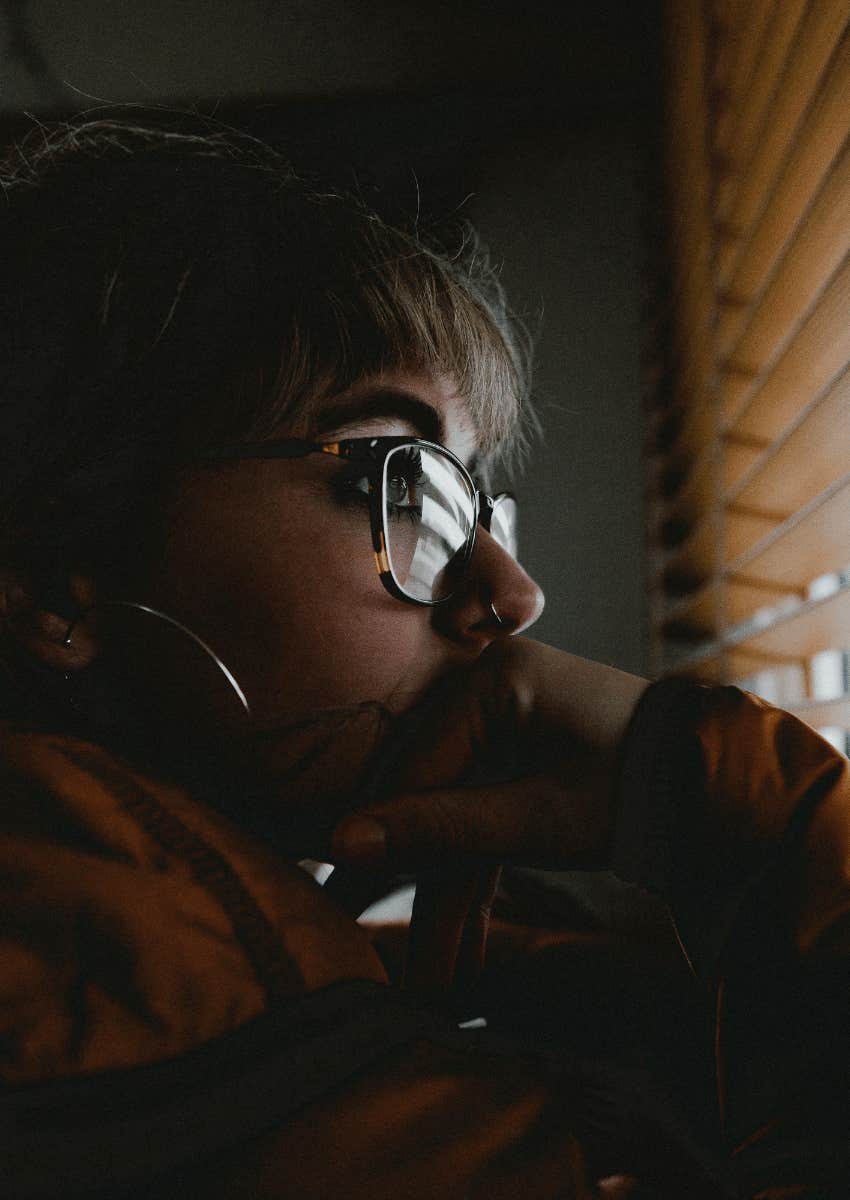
x: 497, y: 599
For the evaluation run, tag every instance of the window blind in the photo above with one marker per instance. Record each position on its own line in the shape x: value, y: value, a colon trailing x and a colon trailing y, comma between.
x: 748, y: 448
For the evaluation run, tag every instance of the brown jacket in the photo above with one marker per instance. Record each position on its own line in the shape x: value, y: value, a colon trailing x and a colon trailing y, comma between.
x: 185, y: 1013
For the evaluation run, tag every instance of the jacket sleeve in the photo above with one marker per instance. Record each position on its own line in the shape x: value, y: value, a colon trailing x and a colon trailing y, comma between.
x: 738, y: 815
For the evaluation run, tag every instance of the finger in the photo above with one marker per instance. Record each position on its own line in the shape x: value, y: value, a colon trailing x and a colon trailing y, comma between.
x: 417, y: 830
x: 473, y: 945
x: 537, y: 821
x: 444, y: 897
x: 471, y: 718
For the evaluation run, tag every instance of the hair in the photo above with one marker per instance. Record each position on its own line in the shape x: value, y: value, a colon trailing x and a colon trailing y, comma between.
x: 170, y: 287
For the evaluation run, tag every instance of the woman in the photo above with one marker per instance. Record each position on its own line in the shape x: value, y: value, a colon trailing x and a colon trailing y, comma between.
x: 251, y: 584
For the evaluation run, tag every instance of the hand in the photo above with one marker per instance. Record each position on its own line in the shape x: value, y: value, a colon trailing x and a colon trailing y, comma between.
x: 516, y: 764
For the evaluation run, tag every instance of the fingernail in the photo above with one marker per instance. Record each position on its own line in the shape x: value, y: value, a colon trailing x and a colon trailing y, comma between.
x: 361, y: 840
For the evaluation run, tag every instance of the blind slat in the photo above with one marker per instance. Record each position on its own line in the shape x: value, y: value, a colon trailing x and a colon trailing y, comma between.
x: 813, y: 542
x: 743, y: 598
x: 793, y: 469
x: 815, y: 355
x: 740, y: 146
x: 739, y: 457
x: 696, y: 618
x: 716, y: 663
x: 769, y: 560
x: 693, y: 430
x: 748, y: 497
x: 736, y: 80
x: 744, y: 527
x: 695, y: 559
x: 817, y: 625
x: 819, y: 713
x: 752, y: 334
x: 693, y: 499
x: 819, y: 35
x: 720, y: 602
x: 745, y: 263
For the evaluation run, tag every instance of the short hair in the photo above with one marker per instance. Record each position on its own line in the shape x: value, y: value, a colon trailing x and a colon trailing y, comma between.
x: 170, y: 286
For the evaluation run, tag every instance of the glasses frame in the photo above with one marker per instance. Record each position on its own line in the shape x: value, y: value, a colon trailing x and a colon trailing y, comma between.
x: 372, y: 453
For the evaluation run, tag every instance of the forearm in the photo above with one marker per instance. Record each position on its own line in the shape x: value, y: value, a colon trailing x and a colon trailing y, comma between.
x: 739, y: 816
x: 716, y: 789
x: 594, y: 702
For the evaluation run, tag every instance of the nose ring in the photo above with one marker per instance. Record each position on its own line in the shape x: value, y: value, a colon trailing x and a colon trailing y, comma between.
x: 69, y: 632
x: 499, y: 620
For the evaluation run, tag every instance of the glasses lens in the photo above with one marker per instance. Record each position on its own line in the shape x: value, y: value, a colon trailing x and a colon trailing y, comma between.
x: 503, y: 523
x: 429, y: 518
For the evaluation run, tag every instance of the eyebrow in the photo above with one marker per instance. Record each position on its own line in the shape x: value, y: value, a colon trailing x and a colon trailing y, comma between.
x: 384, y: 402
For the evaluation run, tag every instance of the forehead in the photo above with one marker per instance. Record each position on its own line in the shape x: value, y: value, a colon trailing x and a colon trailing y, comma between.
x: 419, y: 403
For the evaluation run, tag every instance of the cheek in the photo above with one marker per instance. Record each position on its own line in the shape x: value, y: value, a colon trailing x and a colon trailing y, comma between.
x: 289, y: 596
x: 332, y: 635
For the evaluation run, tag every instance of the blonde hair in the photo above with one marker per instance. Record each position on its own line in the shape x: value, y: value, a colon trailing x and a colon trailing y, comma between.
x: 169, y: 285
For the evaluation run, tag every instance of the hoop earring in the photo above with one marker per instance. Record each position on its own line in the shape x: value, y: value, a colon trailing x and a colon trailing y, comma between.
x: 193, y: 637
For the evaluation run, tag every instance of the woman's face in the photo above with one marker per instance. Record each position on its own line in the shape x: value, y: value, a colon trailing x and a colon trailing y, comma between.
x: 270, y: 562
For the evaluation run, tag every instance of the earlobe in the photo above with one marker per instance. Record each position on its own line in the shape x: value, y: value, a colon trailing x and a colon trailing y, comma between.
x: 62, y: 641
x: 14, y: 599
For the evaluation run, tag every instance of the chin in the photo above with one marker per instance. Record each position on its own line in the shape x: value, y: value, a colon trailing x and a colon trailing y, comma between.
x: 295, y: 780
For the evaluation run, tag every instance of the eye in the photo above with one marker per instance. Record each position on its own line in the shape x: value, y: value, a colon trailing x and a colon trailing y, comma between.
x: 405, y: 472
x: 403, y: 499
x: 404, y: 477
x: 400, y: 492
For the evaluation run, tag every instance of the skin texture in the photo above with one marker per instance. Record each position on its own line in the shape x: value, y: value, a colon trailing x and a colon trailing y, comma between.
x: 544, y: 728
x: 270, y: 563
x: 266, y: 562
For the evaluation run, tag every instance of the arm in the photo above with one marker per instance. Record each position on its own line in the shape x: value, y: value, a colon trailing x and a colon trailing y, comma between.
x: 738, y: 815
x: 735, y: 812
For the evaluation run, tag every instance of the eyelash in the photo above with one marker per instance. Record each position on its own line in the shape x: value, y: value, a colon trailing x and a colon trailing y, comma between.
x: 349, y: 491
x: 413, y: 512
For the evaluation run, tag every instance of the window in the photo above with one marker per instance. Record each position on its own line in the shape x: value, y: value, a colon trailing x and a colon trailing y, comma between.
x: 748, y: 450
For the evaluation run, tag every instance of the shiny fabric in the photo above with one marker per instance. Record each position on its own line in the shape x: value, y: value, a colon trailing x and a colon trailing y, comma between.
x: 162, y: 963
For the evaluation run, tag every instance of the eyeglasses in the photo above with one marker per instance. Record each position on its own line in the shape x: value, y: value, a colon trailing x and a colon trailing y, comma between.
x: 423, y: 503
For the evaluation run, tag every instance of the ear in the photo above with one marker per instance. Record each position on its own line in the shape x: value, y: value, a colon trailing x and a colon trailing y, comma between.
x: 42, y: 631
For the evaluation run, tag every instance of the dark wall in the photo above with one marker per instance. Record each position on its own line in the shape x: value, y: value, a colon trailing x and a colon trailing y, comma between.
x: 565, y: 212
x: 533, y: 121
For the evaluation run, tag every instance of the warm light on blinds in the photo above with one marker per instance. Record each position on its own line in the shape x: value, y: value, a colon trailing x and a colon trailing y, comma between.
x: 748, y: 452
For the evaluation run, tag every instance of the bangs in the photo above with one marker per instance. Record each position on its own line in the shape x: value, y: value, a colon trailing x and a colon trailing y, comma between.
x: 381, y: 300
x: 170, y: 288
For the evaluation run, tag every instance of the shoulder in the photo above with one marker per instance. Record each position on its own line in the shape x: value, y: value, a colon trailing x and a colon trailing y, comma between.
x: 137, y: 923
